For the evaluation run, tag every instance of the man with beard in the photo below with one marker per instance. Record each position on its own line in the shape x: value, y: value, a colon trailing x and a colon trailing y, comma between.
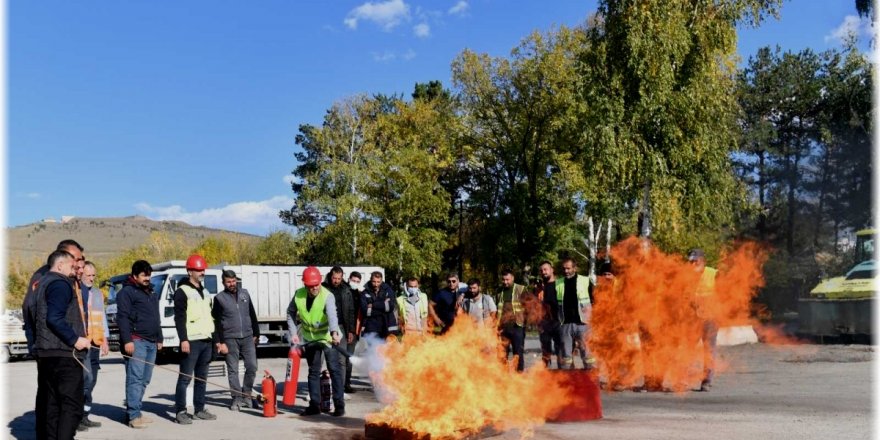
x: 58, y: 330
x: 28, y: 308
x: 346, y: 313
x: 140, y: 333
x: 512, y: 321
x: 237, y: 333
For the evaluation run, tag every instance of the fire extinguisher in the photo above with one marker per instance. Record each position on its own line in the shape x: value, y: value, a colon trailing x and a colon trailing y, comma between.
x: 292, y: 376
x: 268, y: 394
x: 326, y: 392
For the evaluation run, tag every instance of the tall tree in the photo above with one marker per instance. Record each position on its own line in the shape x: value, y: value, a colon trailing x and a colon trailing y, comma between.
x: 659, y: 78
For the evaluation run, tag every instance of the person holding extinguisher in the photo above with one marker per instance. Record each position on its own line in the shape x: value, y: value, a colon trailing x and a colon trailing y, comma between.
x: 314, y: 324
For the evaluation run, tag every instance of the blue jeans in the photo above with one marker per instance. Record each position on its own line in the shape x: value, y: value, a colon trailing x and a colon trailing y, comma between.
x: 138, y: 375
x: 198, y: 359
x: 90, y: 376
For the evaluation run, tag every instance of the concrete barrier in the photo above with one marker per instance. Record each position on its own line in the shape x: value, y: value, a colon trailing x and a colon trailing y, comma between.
x: 738, y: 335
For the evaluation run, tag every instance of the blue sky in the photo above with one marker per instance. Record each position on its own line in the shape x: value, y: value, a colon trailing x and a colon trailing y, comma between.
x: 188, y: 110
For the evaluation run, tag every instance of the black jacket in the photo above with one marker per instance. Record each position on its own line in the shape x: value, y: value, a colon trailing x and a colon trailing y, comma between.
x: 234, y: 315
x: 346, y: 307
x: 137, y: 313
x: 58, y: 322
x: 379, y: 311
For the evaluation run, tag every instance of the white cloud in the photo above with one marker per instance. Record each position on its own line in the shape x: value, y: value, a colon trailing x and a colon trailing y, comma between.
x: 33, y: 195
x: 384, y: 56
x: 852, y: 25
x: 459, y: 8
x: 387, y: 14
x: 257, y: 216
x: 422, y: 30
x: 408, y: 55
x: 288, y: 179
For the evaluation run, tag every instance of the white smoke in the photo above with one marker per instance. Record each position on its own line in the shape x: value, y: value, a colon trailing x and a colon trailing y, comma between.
x: 367, y: 360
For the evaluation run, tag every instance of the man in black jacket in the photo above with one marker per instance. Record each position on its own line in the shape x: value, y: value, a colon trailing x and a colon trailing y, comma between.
x: 379, y: 308
x: 237, y: 333
x: 140, y: 333
x: 58, y: 330
x: 346, y: 312
x: 28, y: 307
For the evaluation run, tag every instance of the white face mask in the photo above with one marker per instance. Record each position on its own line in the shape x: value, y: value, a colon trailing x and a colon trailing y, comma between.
x: 412, y: 290
x: 355, y: 286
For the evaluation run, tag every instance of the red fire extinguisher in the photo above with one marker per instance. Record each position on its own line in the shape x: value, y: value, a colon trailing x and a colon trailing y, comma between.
x: 326, y: 392
x: 292, y: 376
x: 268, y: 394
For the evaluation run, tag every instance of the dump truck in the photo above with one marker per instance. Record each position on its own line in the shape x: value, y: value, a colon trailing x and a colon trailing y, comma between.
x: 841, y: 307
x: 271, y: 288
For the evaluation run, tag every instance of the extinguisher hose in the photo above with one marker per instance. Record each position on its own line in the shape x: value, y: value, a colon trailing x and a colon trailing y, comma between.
x: 191, y: 376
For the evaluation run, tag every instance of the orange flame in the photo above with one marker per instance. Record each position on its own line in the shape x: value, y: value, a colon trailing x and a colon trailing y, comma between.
x: 647, y: 322
x: 455, y: 385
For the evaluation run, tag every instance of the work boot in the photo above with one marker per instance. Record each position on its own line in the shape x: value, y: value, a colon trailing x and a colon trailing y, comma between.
x: 89, y: 423
x: 204, y: 415
x: 311, y: 411
x: 236, y: 405
x: 339, y: 408
x: 349, y: 389
x: 705, y: 385
x: 147, y: 419
x: 138, y: 423
x: 82, y: 427
x: 183, y: 418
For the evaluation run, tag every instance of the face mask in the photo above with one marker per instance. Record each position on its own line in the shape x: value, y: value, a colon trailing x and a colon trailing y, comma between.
x: 413, y: 290
x: 355, y: 286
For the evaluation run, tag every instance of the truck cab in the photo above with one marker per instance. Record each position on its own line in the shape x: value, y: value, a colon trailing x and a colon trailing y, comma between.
x: 164, y: 280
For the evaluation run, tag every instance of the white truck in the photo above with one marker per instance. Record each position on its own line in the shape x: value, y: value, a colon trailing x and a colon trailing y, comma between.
x: 271, y: 289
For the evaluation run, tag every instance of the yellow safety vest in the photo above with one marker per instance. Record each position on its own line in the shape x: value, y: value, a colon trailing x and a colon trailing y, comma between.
x: 583, y: 298
x: 423, y: 307
x: 706, y: 287
x: 512, y: 297
x: 314, y: 324
x: 95, y: 330
x: 199, y: 322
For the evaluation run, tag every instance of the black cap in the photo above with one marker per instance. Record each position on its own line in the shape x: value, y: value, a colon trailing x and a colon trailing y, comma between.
x: 696, y: 254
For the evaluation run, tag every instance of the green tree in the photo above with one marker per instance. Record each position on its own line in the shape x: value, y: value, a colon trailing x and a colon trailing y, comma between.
x: 279, y: 247
x: 659, y: 80
x: 519, y: 115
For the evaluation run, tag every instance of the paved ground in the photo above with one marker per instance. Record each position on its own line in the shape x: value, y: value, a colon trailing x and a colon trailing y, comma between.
x: 769, y: 392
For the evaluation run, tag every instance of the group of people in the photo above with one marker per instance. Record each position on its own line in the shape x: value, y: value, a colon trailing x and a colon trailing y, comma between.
x: 67, y: 330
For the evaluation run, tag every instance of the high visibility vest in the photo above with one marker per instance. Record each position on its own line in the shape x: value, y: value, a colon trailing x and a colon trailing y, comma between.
x: 512, y: 297
x: 706, y: 287
x: 95, y: 329
x: 583, y: 298
x: 314, y: 324
x: 422, y: 305
x: 199, y: 322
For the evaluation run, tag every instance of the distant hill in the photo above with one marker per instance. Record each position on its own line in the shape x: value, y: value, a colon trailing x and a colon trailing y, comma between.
x: 103, y: 238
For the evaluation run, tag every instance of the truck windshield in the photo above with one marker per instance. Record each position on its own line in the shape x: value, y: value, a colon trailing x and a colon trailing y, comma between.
x: 864, y: 248
x: 157, y: 282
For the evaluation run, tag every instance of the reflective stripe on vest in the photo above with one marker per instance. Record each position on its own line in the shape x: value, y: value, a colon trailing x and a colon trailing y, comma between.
x: 583, y: 297
x: 314, y: 325
x: 199, y: 323
x: 515, y: 293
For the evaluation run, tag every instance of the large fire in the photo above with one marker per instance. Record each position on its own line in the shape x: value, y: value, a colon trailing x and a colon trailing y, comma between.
x: 647, y: 323
x: 455, y: 385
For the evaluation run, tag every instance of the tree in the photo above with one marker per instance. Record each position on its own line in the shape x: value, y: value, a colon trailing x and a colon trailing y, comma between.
x: 519, y: 118
x: 659, y: 80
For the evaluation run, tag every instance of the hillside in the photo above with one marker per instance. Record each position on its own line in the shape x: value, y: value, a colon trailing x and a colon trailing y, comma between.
x: 103, y: 238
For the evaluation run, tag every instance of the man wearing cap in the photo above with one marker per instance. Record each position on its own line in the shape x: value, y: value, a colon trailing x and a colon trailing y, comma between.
x: 237, y: 333
x: 195, y: 328
x: 314, y: 308
x: 705, y: 293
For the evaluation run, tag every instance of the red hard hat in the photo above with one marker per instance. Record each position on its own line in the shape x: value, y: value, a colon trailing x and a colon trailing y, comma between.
x: 311, y: 276
x: 196, y: 262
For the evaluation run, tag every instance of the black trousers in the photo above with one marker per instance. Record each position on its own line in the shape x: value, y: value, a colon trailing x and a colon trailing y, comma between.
x: 514, y: 338
x: 59, y: 398
x: 551, y: 343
